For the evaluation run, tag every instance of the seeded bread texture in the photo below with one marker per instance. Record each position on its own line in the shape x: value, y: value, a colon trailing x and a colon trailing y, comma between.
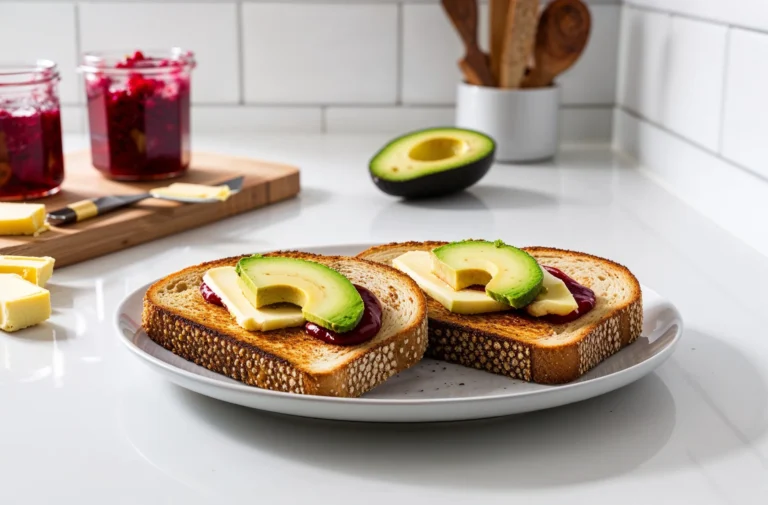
x: 524, y: 347
x: 178, y: 318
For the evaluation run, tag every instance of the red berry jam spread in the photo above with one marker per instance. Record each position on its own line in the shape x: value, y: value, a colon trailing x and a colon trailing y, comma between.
x: 209, y: 295
x: 138, y: 111
x: 585, y: 298
x: 366, y: 329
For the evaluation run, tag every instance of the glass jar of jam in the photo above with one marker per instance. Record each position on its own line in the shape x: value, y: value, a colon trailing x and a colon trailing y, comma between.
x: 31, y: 155
x: 138, y: 112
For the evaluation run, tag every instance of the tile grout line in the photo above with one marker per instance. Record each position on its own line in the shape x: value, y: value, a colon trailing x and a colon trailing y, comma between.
x: 80, y: 85
x: 323, y: 119
x: 299, y: 105
x: 724, y: 91
x: 240, y: 52
x: 692, y: 17
x: 690, y: 142
x: 399, y: 43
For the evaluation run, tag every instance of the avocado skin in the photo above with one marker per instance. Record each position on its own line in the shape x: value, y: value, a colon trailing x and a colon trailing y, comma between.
x: 441, y: 183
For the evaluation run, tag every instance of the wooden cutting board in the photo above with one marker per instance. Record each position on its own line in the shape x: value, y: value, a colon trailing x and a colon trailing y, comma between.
x: 265, y: 183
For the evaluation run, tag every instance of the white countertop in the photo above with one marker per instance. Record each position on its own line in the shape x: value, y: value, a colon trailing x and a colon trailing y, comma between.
x: 84, y: 422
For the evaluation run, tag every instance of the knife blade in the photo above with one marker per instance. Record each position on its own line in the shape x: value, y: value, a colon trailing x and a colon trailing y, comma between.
x: 86, y: 209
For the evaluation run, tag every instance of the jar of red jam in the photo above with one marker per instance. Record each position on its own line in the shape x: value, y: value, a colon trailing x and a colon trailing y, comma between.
x: 31, y: 156
x: 138, y: 112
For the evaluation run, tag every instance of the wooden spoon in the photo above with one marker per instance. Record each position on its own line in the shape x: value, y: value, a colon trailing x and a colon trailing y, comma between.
x: 474, y: 65
x: 562, y: 36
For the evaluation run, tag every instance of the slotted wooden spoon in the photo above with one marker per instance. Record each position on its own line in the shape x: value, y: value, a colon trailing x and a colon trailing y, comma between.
x: 474, y: 65
x: 562, y: 35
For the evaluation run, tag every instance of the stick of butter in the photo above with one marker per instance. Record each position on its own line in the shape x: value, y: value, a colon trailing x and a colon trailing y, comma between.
x: 185, y: 191
x: 22, y: 218
x: 22, y: 304
x: 30, y: 268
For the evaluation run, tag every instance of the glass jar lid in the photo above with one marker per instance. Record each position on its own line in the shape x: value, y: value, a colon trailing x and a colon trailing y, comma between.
x: 146, y: 62
x: 24, y: 74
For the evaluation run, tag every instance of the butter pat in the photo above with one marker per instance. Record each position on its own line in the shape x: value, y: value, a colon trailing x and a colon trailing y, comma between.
x: 224, y: 282
x: 184, y: 191
x: 418, y: 266
x: 22, y: 304
x: 554, y: 298
x: 30, y: 268
x: 22, y: 219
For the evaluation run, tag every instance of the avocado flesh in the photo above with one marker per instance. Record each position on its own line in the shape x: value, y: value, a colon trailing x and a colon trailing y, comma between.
x: 326, y: 297
x: 509, y: 274
x: 430, y: 152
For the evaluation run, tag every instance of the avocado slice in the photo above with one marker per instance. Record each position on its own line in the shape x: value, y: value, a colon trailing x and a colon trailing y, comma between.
x: 510, y: 275
x: 432, y: 162
x: 326, y: 297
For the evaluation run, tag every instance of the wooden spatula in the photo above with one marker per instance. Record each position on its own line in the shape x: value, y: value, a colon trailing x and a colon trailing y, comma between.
x: 562, y: 36
x: 497, y: 12
x: 519, y: 37
x: 474, y: 65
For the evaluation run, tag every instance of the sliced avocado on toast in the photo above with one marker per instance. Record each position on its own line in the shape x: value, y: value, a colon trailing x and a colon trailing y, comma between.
x: 510, y: 275
x: 432, y: 162
x: 326, y: 297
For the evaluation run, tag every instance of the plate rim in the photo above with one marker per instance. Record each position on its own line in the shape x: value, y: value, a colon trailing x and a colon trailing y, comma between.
x: 659, y: 357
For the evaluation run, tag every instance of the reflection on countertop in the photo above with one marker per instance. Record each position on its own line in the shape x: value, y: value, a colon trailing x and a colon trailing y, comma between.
x: 83, y: 412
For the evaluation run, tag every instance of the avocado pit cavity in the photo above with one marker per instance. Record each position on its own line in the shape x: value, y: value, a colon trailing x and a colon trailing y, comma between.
x: 437, y: 149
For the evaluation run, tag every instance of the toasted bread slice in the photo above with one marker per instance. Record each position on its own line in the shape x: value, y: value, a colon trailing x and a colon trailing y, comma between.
x: 177, y: 317
x: 523, y: 347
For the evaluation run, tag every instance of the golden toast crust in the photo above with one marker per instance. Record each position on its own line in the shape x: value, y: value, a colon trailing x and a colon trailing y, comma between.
x: 177, y: 317
x: 523, y: 347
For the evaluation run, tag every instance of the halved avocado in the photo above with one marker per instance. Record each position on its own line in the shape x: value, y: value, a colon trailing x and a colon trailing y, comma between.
x: 510, y: 275
x: 432, y: 162
x: 326, y: 297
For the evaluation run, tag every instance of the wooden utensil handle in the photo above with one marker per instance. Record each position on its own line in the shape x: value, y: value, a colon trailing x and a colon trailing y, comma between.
x: 86, y: 209
x: 475, y: 65
x: 497, y: 12
x: 463, y: 15
x: 518, y: 42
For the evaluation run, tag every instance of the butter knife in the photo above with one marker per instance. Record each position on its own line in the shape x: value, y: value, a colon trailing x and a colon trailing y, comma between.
x: 86, y: 209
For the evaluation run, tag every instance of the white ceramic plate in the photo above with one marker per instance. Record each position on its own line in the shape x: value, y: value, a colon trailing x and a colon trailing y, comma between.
x: 430, y: 391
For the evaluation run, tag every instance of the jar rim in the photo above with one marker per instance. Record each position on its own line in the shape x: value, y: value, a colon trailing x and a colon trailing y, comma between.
x: 106, y: 61
x: 26, y: 73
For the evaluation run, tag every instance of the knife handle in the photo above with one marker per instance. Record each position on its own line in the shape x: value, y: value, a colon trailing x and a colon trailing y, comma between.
x: 86, y: 209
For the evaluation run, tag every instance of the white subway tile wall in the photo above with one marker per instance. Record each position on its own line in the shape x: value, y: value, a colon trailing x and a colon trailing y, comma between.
x: 209, y: 29
x: 745, y: 113
x: 730, y: 197
x: 691, y: 104
x: 692, y: 86
x: 303, y: 65
x: 746, y: 13
x: 593, y: 79
x: 391, y: 120
x: 431, y: 48
x: 53, y: 38
x: 210, y: 119
x: 326, y: 54
x: 643, y: 62
x: 589, y: 125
